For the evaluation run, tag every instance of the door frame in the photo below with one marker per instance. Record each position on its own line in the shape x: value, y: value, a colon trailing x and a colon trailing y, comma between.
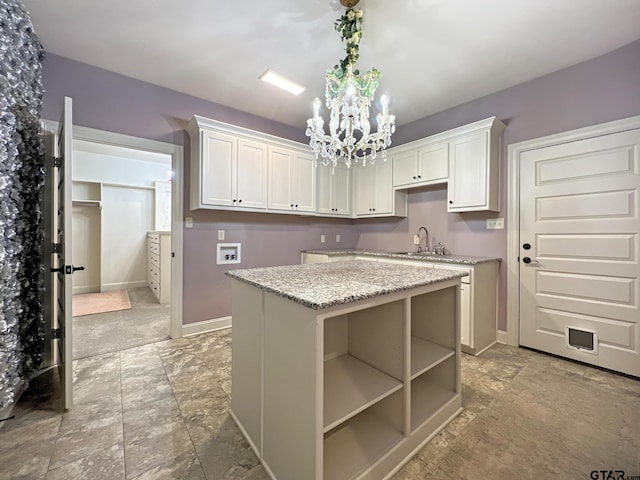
x: 177, y: 200
x: 515, y: 150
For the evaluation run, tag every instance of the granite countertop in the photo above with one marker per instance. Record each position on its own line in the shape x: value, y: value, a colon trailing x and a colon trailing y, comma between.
x: 420, y: 257
x: 323, y: 285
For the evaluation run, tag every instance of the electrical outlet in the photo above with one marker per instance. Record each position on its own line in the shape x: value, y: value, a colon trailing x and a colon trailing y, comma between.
x: 188, y: 222
x: 338, y: 238
x: 220, y: 234
x: 416, y: 240
x: 495, y: 223
x: 323, y: 239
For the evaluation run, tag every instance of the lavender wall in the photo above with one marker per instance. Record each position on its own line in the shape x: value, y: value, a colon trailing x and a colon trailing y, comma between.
x: 596, y: 91
x: 112, y: 102
x: 600, y: 90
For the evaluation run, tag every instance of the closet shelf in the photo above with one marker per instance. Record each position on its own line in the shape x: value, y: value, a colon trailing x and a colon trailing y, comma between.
x: 86, y: 203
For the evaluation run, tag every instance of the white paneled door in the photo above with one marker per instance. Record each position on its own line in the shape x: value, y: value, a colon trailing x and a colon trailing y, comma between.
x: 579, y: 249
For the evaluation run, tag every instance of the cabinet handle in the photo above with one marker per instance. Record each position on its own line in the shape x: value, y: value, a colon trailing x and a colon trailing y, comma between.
x: 296, y: 205
x: 234, y: 200
x: 414, y: 177
x: 239, y: 201
x: 419, y: 176
x: 451, y: 201
x: 292, y: 205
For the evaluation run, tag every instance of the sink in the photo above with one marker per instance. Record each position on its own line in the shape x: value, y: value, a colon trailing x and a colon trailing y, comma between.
x: 421, y: 254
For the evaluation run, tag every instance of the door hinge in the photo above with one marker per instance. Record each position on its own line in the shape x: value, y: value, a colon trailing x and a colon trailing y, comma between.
x: 56, y: 333
x: 56, y: 248
x: 57, y: 162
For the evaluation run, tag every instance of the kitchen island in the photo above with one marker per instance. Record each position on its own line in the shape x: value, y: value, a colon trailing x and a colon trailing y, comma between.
x: 344, y: 370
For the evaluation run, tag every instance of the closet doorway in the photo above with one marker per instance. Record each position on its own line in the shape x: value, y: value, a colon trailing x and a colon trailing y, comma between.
x: 124, y: 233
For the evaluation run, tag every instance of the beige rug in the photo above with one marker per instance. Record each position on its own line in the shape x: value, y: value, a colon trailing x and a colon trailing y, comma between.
x: 91, y: 303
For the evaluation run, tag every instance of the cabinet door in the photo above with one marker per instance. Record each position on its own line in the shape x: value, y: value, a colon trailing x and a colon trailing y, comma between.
x: 383, y: 187
x: 341, y: 191
x: 363, y: 189
x: 468, y: 173
x: 304, y: 182
x: 252, y: 174
x: 280, y: 173
x: 405, y: 168
x: 218, y: 169
x: 325, y: 190
x: 433, y: 164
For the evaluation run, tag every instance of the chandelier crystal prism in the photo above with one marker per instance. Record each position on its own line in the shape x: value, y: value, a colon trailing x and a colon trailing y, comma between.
x: 348, y: 96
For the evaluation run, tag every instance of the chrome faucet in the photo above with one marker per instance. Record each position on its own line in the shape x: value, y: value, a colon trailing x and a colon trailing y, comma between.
x: 426, y: 237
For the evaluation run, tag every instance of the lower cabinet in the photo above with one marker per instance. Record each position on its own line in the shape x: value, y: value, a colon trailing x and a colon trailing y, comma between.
x: 159, y: 265
x: 478, y: 305
x: 349, y: 392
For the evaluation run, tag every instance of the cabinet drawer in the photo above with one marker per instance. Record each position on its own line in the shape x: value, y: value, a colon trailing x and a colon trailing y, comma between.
x: 154, y: 260
x: 155, y: 288
x: 153, y: 237
x: 154, y: 248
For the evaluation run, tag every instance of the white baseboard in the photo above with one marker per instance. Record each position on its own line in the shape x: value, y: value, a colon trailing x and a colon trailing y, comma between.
x: 206, y: 326
x: 86, y: 289
x: 110, y: 287
x: 502, y: 337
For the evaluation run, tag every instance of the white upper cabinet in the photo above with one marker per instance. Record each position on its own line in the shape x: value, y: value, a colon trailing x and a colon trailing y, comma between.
x: 251, y: 179
x: 474, y: 167
x: 218, y: 162
x: 292, y: 180
x: 231, y: 169
x: 334, y: 191
x: 420, y: 165
x: 374, y: 195
x: 228, y: 171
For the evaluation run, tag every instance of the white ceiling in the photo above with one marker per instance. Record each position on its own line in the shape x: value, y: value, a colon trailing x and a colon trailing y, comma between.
x: 433, y: 54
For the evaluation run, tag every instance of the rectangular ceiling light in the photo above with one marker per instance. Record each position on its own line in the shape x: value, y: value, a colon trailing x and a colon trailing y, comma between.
x: 281, y: 82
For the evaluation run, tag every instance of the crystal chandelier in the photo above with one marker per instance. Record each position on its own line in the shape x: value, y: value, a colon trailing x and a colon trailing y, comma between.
x: 348, y: 97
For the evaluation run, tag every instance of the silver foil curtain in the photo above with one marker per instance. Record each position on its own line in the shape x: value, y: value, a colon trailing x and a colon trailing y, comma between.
x: 21, y: 190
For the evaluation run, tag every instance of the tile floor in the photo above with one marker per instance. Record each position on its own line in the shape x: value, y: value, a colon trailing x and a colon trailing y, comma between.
x: 161, y: 411
x: 147, y: 321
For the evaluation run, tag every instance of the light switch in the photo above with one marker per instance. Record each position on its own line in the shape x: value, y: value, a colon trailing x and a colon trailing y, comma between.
x: 322, y: 238
x: 188, y: 222
x: 220, y: 234
x: 338, y: 238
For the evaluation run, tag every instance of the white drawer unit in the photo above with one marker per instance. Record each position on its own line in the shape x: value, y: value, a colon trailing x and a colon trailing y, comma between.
x: 159, y: 265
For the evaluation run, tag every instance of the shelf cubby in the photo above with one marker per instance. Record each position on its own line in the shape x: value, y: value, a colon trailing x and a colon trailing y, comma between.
x: 432, y: 390
x: 431, y: 318
x: 426, y: 355
x: 84, y: 191
x: 351, y: 386
x: 358, y: 443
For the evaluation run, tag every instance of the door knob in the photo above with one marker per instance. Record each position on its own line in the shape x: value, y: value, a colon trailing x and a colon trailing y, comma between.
x: 526, y: 260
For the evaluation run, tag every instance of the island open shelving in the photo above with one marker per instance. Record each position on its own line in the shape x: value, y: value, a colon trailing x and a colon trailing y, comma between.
x: 345, y: 389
